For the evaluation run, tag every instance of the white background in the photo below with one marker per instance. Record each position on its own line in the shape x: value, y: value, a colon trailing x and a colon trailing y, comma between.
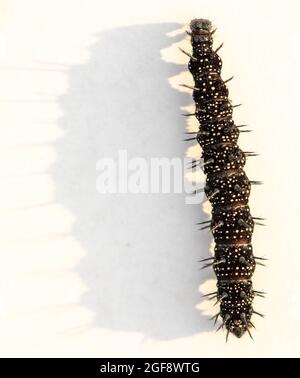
x: 85, y: 274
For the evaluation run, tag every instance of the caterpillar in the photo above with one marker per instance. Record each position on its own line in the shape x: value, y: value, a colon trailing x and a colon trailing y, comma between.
x: 227, y: 187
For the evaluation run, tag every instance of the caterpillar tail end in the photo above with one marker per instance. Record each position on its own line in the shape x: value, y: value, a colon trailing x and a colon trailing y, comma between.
x: 237, y: 329
x: 239, y: 326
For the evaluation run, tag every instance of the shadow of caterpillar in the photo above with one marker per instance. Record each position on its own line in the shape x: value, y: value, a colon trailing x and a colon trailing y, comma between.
x: 227, y: 186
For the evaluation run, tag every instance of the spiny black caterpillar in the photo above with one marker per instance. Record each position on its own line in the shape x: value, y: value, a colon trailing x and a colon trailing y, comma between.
x: 227, y: 186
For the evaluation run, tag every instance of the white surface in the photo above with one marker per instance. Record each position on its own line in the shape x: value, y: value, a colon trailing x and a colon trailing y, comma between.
x: 90, y: 275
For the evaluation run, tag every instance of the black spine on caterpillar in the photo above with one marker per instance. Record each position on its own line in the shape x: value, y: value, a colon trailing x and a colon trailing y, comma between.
x: 227, y: 186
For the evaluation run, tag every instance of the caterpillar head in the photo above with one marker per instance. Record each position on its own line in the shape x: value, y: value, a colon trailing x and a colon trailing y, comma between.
x: 200, y: 24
